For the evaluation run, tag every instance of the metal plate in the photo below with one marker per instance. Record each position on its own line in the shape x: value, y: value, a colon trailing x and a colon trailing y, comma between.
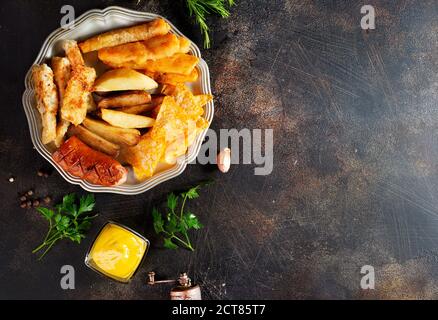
x: 89, y: 24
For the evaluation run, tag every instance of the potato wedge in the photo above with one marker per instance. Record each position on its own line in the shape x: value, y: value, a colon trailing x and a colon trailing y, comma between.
x: 142, y: 108
x: 121, y: 136
x: 156, y: 100
x: 94, y: 141
x: 125, y: 35
x: 126, y: 120
x: 125, y: 100
x: 123, y: 79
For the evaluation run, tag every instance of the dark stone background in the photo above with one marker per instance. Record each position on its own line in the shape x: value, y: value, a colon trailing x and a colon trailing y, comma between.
x: 355, y: 166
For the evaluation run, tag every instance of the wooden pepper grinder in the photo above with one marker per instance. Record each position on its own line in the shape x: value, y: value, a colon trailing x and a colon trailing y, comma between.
x: 184, y: 289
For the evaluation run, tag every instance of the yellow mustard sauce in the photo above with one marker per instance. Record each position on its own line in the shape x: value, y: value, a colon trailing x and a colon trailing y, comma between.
x: 117, y: 252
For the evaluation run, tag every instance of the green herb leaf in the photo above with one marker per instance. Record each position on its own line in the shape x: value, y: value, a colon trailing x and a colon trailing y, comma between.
x: 172, y: 224
x: 158, y: 221
x: 67, y: 223
x: 47, y: 213
x: 200, y: 9
x: 192, y: 221
x: 192, y: 193
x: 172, y: 201
x: 175, y: 226
x: 86, y: 204
x: 68, y: 203
x: 169, y: 244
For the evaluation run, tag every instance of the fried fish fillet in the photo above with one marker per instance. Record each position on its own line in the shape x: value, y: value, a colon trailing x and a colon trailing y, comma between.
x: 193, y: 104
x: 61, y: 70
x: 136, y: 54
x: 144, y: 157
x: 175, y: 78
x: 46, y: 100
x: 180, y: 63
x: 125, y: 35
x: 74, y: 106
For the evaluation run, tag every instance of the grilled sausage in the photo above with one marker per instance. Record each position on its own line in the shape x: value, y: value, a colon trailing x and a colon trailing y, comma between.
x: 81, y: 161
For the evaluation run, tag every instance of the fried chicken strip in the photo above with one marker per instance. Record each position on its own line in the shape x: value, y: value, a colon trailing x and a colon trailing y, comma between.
x: 125, y: 35
x: 61, y: 70
x: 77, y: 98
x: 46, y: 100
x: 74, y: 106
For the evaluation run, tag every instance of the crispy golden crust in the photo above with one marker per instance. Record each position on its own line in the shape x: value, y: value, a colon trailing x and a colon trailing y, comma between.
x: 180, y: 63
x: 126, y: 35
x: 61, y: 71
x: 137, y: 53
x: 74, y: 107
x: 61, y: 130
x: 175, y: 78
x: 172, y: 122
x: 46, y: 100
x: 184, y: 45
x: 73, y: 53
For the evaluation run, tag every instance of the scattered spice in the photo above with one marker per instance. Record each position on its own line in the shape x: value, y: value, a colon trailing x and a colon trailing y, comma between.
x: 30, y: 193
x: 47, y: 199
x: 43, y: 173
x: 11, y: 179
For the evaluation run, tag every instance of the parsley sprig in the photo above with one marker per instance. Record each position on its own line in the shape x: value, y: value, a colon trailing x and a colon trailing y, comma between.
x: 177, y: 222
x: 67, y: 221
x: 200, y: 9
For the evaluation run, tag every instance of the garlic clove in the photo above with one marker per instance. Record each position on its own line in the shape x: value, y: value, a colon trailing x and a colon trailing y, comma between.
x: 224, y: 160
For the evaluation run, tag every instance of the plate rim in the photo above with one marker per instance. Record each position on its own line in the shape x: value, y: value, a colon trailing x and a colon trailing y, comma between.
x: 140, y: 187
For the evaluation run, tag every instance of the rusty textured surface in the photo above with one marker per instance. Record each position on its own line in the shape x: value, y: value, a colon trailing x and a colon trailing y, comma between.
x: 355, y: 176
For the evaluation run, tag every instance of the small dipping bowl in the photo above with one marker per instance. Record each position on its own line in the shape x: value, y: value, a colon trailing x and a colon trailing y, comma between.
x: 117, y: 252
